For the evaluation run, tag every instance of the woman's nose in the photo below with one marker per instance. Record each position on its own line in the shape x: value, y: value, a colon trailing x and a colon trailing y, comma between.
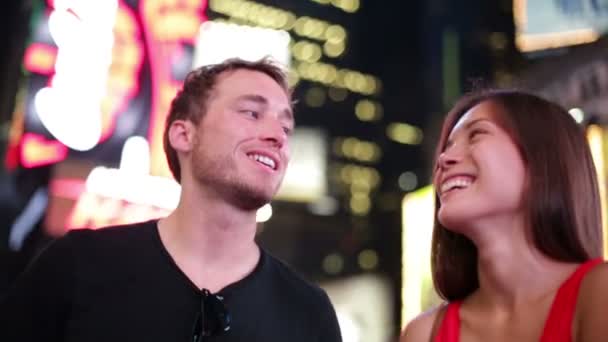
x: 448, y: 158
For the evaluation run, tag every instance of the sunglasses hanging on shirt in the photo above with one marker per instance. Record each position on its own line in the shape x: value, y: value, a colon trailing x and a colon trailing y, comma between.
x: 212, y: 319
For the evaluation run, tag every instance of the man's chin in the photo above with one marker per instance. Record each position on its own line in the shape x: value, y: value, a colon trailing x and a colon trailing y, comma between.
x: 253, y: 203
x: 252, y: 199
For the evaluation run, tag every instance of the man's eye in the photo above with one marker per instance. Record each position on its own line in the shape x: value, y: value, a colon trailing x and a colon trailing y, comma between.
x: 251, y: 113
x: 287, y: 130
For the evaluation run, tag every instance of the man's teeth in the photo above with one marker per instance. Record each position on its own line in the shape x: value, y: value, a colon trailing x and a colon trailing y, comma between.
x: 264, y: 160
x: 459, y: 183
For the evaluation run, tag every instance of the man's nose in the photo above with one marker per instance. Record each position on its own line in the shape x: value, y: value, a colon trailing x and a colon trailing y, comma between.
x: 274, y: 131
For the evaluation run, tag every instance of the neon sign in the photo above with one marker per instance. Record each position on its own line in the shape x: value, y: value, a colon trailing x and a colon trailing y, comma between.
x: 108, y: 68
x: 99, y: 73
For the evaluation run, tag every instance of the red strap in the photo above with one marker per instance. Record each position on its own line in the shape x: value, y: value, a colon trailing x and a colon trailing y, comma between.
x: 449, y: 331
x: 558, y: 326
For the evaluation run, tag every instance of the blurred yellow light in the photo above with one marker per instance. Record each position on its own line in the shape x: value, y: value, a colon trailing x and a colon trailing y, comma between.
x: 360, y: 186
x: 360, y: 82
x: 404, y: 133
x: 334, y: 49
x: 340, y: 79
x: 350, y: 6
x: 302, y: 69
x: 348, y: 146
x: 369, y: 85
x: 330, y: 74
x: 335, y: 34
x: 293, y: 79
x: 360, y: 204
x: 337, y: 94
x: 290, y: 21
x: 533, y: 42
x: 366, y: 151
x: 333, y: 263
x: 596, y: 138
x: 242, y: 12
x: 315, y: 97
x: 374, y: 84
x: 305, y: 26
x: 368, y: 259
x: 346, y: 174
x: 306, y: 51
x: 365, y: 110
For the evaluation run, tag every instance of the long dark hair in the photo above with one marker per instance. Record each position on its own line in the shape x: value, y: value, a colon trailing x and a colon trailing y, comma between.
x: 562, y: 197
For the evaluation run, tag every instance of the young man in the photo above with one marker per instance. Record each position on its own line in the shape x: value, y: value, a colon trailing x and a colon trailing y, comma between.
x: 196, y: 275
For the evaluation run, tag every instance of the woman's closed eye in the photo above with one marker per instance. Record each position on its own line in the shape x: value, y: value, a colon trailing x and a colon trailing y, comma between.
x: 475, y: 132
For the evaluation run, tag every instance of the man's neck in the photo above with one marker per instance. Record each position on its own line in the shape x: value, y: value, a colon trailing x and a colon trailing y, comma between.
x: 213, y: 244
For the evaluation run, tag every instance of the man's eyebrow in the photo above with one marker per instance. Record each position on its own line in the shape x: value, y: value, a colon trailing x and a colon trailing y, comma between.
x: 287, y: 113
x: 254, y: 98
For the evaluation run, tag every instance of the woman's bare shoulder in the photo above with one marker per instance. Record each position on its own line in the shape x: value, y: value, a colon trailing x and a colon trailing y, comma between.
x: 421, y: 327
x: 593, y: 286
x: 592, y: 306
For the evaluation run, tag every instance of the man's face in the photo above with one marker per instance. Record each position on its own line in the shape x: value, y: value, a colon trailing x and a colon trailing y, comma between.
x: 241, y: 145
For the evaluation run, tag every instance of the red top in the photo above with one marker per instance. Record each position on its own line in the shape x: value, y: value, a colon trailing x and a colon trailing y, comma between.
x: 558, y: 327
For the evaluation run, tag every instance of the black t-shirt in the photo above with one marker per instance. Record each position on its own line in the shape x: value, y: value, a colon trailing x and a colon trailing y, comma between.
x: 120, y: 284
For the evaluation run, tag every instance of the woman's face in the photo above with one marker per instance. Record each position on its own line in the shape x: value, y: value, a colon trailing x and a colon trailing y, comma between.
x: 480, y: 175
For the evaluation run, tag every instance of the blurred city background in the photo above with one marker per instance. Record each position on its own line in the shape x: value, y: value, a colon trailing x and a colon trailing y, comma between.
x: 85, y: 86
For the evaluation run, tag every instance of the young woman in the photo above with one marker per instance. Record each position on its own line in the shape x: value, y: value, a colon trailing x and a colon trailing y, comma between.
x: 517, y: 242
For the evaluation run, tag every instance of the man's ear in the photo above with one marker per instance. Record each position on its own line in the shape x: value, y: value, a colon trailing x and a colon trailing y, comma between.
x: 181, y: 135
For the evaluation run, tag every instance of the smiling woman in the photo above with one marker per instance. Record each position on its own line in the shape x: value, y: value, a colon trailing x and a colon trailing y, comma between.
x: 516, y: 252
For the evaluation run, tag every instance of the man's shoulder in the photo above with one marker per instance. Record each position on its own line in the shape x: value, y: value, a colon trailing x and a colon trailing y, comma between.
x: 289, y: 279
x: 116, y: 233
x: 112, y: 240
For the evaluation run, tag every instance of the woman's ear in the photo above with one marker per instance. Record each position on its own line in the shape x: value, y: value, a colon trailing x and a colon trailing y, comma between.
x: 181, y: 135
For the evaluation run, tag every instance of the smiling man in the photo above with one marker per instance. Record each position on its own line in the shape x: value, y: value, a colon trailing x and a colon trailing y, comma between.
x: 198, y: 274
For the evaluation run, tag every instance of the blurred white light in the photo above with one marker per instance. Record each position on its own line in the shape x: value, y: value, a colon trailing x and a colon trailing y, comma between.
x: 408, y: 181
x: 349, y: 329
x: 305, y: 179
x: 264, y: 213
x: 218, y: 41
x: 70, y: 109
x: 74, y: 123
x: 135, y: 157
x: 324, y: 206
x: 417, y: 212
x: 577, y: 114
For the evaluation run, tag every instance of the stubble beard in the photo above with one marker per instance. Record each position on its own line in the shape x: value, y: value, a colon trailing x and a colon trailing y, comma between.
x: 220, y: 174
